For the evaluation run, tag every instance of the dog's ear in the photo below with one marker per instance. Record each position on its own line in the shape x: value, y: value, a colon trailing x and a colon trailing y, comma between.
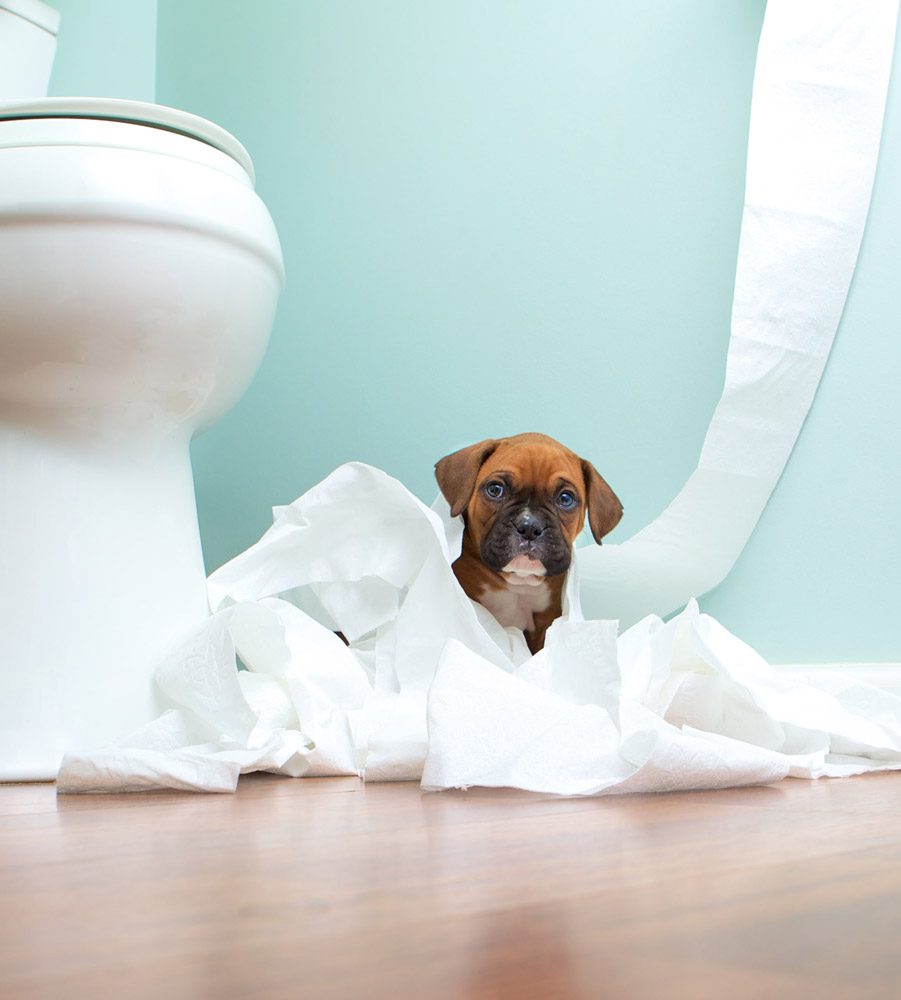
x: 604, y: 508
x: 456, y: 473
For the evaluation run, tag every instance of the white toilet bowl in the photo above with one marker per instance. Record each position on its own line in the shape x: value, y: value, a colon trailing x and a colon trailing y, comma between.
x: 139, y: 274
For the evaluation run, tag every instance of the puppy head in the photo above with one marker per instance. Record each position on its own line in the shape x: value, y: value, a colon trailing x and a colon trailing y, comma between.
x: 524, y: 501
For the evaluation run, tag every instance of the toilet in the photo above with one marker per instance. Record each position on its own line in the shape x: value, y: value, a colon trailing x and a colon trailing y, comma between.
x: 28, y: 31
x: 139, y: 276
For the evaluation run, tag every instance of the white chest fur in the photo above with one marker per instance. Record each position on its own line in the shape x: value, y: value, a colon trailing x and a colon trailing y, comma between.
x: 517, y: 605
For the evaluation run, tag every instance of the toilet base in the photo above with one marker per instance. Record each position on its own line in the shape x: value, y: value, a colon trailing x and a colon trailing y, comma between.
x: 100, y: 572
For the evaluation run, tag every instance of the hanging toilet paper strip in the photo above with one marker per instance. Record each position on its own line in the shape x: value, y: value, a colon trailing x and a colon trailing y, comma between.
x: 818, y: 102
x: 431, y: 687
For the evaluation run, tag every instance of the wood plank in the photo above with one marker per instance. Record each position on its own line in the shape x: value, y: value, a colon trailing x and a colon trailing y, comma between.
x: 328, y: 888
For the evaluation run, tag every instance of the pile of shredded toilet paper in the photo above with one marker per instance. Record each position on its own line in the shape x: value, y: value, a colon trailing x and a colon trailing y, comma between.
x: 430, y: 687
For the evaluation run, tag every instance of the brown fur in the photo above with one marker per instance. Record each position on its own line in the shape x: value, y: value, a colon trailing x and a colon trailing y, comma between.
x: 535, y: 474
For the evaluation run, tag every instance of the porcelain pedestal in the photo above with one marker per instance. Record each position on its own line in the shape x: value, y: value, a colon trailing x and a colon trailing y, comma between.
x: 100, y: 570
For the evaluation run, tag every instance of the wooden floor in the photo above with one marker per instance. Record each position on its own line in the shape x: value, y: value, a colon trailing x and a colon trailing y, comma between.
x: 326, y: 888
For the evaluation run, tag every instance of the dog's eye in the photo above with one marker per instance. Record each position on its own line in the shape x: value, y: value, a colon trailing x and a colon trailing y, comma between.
x: 494, y: 490
x: 566, y: 500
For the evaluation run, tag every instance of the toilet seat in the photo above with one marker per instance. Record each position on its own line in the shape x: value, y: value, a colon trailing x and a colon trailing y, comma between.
x: 134, y: 113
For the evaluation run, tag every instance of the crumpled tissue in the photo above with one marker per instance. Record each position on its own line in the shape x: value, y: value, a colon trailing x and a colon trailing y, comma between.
x: 357, y: 554
x: 430, y: 686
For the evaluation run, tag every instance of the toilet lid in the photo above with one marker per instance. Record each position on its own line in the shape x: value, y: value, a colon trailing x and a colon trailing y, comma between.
x: 135, y: 112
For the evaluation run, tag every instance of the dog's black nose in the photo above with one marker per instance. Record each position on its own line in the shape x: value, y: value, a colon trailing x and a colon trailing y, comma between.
x: 528, y: 525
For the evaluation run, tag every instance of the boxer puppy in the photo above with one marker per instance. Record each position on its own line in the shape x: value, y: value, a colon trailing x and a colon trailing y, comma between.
x: 524, y: 500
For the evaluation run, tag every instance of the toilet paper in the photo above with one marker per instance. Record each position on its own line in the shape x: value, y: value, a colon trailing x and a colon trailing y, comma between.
x: 357, y: 554
x: 817, y: 108
x: 681, y: 705
x: 429, y: 686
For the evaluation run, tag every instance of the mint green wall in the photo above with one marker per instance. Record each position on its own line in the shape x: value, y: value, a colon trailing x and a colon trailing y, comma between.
x: 105, y: 48
x: 506, y: 216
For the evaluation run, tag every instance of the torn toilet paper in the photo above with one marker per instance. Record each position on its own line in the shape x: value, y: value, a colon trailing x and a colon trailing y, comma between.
x: 430, y: 686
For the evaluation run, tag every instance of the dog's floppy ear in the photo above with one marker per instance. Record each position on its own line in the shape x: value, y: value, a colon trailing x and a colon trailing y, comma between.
x: 604, y: 508
x: 456, y: 473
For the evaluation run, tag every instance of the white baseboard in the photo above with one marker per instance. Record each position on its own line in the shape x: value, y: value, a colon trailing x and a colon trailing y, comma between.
x: 881, y: 675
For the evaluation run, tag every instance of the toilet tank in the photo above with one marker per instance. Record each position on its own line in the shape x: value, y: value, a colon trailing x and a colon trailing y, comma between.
x: 27, y: 46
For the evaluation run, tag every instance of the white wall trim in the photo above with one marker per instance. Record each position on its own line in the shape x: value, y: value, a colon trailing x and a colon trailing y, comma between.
x: 882, y: 675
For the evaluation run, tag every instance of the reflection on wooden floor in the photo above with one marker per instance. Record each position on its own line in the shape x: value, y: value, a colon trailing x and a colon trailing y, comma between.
x: 327, y: 888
